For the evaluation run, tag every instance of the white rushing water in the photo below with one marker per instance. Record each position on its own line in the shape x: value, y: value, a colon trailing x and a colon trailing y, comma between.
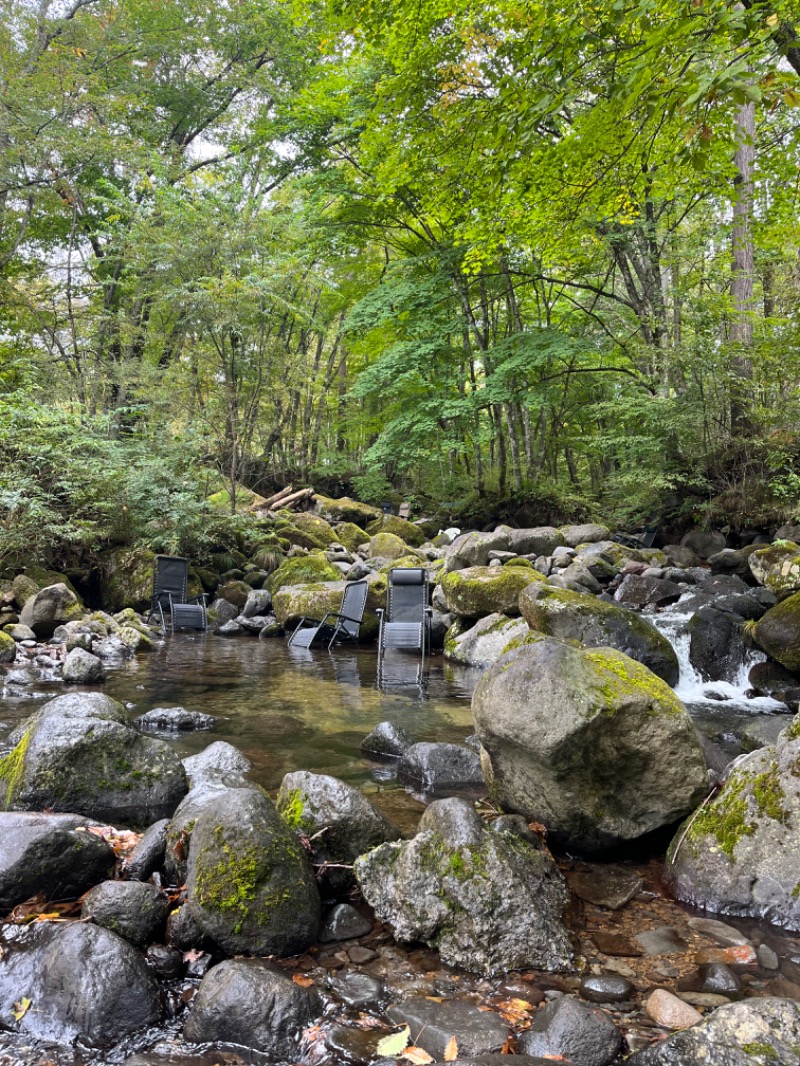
x: 691, y: 688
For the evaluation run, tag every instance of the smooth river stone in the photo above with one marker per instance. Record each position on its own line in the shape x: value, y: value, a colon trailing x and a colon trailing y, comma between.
x: 610, y: 888
x: 671, y: 1012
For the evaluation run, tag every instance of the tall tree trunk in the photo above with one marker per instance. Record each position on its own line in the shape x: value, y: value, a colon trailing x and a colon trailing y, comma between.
x: 741, y: 333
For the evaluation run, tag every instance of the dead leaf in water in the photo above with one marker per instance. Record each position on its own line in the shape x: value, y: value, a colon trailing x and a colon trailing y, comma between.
x: 417, y: 1055
x: 302, y: 980
x: 451, y: 1051
x: 21, y: 1008
x: 395, y: 1044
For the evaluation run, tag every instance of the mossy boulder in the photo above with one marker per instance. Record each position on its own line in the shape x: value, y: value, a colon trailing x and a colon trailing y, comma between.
x: 245, y: 498
x: 126, y: 579
x: 588, y: 742
x: 340, y: 820
x: 777, y: 567
x: 350, y: 535
x: 50, y: 608
x: 313, y: 600
x: 778, y: 632
x: 301, y: 571
x: 472, y: 549
x: 483, y: 643
x: 309, y: 531
x: 738, y: 856
x: 24, y: 587
x: 478, y: 591
x: 8, y: 648
x: 346, y: 510
x: 594, y: 623
x: 250, y: 886
x: 401, y: 528
x: 235, y: 592
x: 79, y: 754
x: 387, y: 546
x: 489, y: 897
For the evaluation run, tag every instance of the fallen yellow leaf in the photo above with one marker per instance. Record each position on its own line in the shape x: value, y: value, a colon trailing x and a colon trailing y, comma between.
x: 451, y: 1051
x: 21, y: 1008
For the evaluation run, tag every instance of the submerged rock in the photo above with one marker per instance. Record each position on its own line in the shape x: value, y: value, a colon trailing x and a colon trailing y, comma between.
x: 252, y: 1003
x: 434, y: 1025
x: 173, y: 720
x: 83, y: 982
x: 433, y: 767
x: 489, y: 899
x: 249, y: 882
x: 386, y: 741
x: 738, y: 856
x: 588, y: 742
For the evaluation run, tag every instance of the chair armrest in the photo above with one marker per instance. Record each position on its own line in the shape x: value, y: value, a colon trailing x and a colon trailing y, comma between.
x: 379, y: 612
x: 202, y: 596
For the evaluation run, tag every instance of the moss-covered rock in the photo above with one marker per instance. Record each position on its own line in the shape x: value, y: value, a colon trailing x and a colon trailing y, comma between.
x: 777, y: 567
x: 50, y: 608
x: 235, y: 592
x: 312, y: 600
x: 778, y: 632
x: 126, y: 579
x: 249, y: 883
x: 594, y: 623
x: 24, y: 588
x: 588, y: 742
x: 302, y: 570
x: 309, y: 531
x: 346, y: 510
x: 738, y: 855
x: 8, y: 648
x: 483, y: 643
x: 388, y: 546
x: 350, y: 535
x: 478, y: 591
x: 245, y: 498
x: 406, y: 531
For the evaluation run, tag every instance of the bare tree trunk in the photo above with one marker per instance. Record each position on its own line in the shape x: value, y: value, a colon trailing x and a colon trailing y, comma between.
x: 741, y: 333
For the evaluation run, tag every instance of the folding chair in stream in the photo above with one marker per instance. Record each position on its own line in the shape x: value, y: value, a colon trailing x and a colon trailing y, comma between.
x: 406, y: 622
x: 344, y: 624
x: 170, y: 595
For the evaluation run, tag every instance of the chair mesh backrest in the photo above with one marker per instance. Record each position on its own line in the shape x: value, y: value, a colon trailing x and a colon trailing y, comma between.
x: 407, y: 595
x: 171, y: 575
x: 353, y: 603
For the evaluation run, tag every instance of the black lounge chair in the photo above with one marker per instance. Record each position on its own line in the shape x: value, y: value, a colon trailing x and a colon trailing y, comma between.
x: 406, y: 623
x: 170, y: 595
x: 344, y: 624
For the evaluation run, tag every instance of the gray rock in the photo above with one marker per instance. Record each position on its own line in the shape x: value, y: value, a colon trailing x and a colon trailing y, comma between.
x: 738, y: 856
x: 258, y: 602
x: 386, y: 741
x: 249, y: 882
x: 717, y: 650
x: 732, y: 561
x: 131, y: 909
x: 20, y: 632
x: 583, y: 1035
x: 489, y: 906
x: 433, y: 767
x: 173, y: 720
x: 483, y: 643
x: 640, y: 591
x: 221, y: 611
x: 148, y: 855
x: 704, y: 544
x: 569, y: 615
x: 84, y: 983
x: 542, y: 540
x: 607, y: 988
x: 433, y: 1025
x: 770, y: 678
x: 681, y: 556
x: 112, y: 649
x: 252, y: 1003
x: 79, y: 754
x: 230, y: 629
x: 83, y: 668
x: 218, y: 760
x: 165, y: 962
x: 720, y: 932
x: 661, y: 941
x: 50, y: 608
x: 756, y: 1032
x: 588, y: 742
x: 204, y: 794
x: 717, y: 977
x: 343, y: 922
x: 472, y: 549
x: 347, y: 823
x: 589, y: 533
x: 357, y: 990
x: 49, y: 853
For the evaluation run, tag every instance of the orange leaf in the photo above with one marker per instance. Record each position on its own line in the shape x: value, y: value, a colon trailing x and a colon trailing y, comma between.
x: 417, y: 1055
x: 302, y: 980
x: 510, y: 1046
x: 451, y: 1051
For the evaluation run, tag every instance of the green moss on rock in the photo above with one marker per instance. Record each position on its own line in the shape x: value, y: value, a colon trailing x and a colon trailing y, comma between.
x: 301, y: 571
x: 480, y: 590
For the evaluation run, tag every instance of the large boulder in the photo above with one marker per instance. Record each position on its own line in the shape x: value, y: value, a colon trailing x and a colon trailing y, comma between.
x: 78, y: 753
x: 704, y: 543
x: 639, y: 591
x: 351, y: 535
x: 777, y: 567
x: 249, y: 882
x: 778, y: 632
x: 127, y: 579
x: 49, y: 853
x: 439, y: 767
x: 406, y: 531
x: 541, y: 540
x: 8, y: 648
x: 594, y: 623
x: 346, y: 510
x: 589, y: 533
x: 388, y: 546
x: 313, y: 600
x: 477, y: 591
x: 309, y: 531
x: 251, y: 1003
x: 490, y: 898
x: 716, y: 649
x: 472, y: 549
x: 756, y: 1032
x: 52, y: 607
x: 738, y: 856
x: 83, y: 983
x: 483, y: 643
x: 340, y: 820
x: 302, y: 570
x: 587, y: 741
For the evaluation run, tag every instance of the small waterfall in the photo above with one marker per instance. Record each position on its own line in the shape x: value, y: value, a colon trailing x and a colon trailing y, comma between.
x: 691, y: 688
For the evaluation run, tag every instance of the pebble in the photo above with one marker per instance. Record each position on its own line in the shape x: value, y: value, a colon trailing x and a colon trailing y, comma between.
x: 670, y: 1011
x: 704, y: 999
x: 767, y: 957
x: 360, y: 955
x: 720, y: 979
x: 724, y: 935
x: 606, y: 988
x: 742, y: 955
x: 662, y: 941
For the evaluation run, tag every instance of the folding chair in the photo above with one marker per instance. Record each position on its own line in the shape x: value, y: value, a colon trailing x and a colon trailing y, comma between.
x: 406, y: 622
x: 344, y: 624
x: 170, y: 594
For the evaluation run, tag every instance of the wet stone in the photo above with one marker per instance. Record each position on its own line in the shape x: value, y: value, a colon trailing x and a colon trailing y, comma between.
x: 133, y: 910
x: 719, y: 978
x: 705, y: 1000
x: 343, y: 922
x: 386, y: 741
x: 671, y: 1012
x: 361, y: 955
x: 356, y: 1046
x: 173, y: 720
x: 433, y: 1024
x: 741, y: 955
x: 582, y: 1035
x: 611, y: 888
x: 606, y: 988
x: 357, y: 990
x: 163, y: 961
x: 662, y: 941
x: 148, y: 855
x: 720, y: 932
x: 767, y: 957
x: 615, y: 944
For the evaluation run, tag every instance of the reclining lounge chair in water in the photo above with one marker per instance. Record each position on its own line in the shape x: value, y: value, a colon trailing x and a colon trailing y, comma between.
x: 406, y: 622
x: 170, y: 595
x: 344, y: 624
